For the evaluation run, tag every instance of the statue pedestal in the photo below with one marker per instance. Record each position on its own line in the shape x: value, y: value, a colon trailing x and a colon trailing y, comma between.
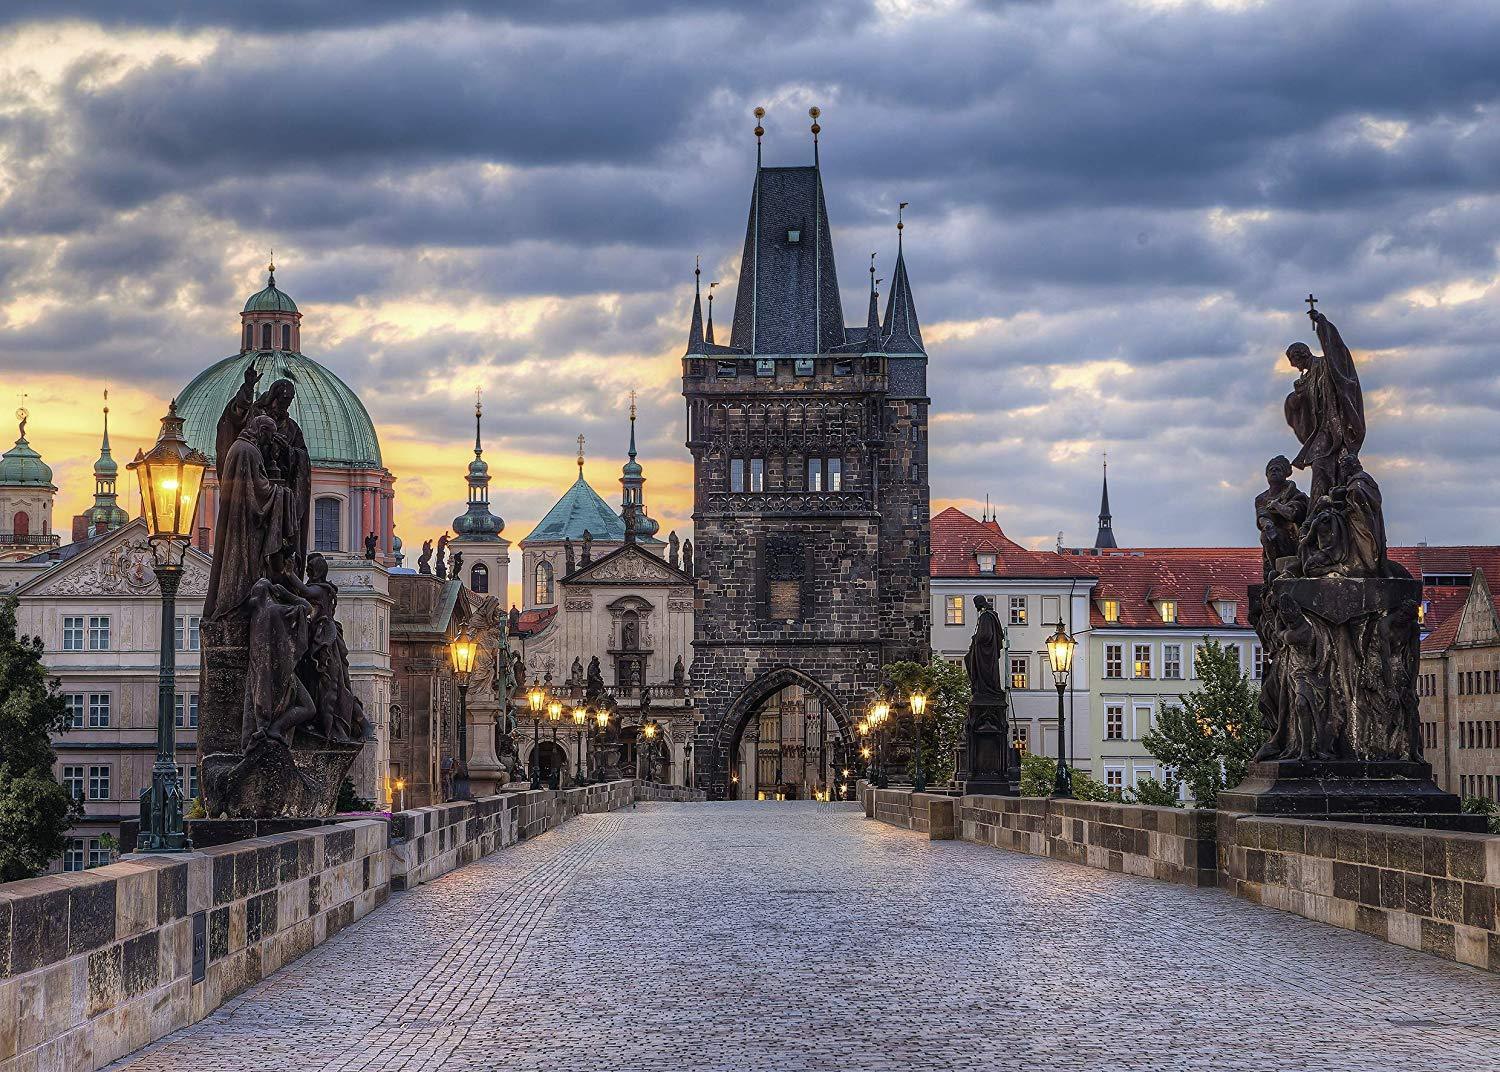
x: 1390, y: 792
x: 272, y: 781
x: 486, y: 774
x: 991, y: 765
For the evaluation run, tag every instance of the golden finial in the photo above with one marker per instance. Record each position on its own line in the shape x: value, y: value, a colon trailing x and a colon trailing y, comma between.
x: 478, y: 408
x: 580, y: 455
x: 814, y: 112
x: 632, y: 404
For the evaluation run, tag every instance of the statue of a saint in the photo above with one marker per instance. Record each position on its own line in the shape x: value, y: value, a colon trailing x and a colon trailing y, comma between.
x: 679, y: 672
x: 568, y: 560
x: 256, y: 521
x: 1325, y: 408
x: 673, y: 547
x: 286, y: 457
x: 456, y: 565
x: 371, y: 542
x: 588, y: 547
x: 982, y: 662
x: 276, y: 700
x: 575, y: 672
x: 1366, y: 518
x: 424, y: 560
x: 442, y: 553
x: 1279, y: 512
x: 325, y: 669
x: 687, y: 557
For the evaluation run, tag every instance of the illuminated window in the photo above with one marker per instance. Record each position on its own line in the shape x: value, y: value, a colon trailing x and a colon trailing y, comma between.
x: 1111, y: 610
x: 542, y: 594
x: 1017, y: 608
x: 953, y: 610
x: 1169, y: 611
x: 1141, y: 662
x: 1020, y: 672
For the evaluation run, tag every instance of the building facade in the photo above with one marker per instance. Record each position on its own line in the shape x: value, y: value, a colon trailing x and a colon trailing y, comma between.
x: 26, y: 497
x: 1459, y: 696
x: 810, y: 496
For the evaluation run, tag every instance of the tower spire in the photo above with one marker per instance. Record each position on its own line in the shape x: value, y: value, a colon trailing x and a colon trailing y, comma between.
x: 105, y: 515
x: 632, y: 424
x: 1106, y: 536
x: 903, y: 335
x: 580, y: 455
x: 872, y: 321
x: 813, y: 114
x: 708, y: 335
x: 695, y: 329
x: 633, y: 491
x: 271, y: 270
x: 760, y: 113
x: 477, y: 523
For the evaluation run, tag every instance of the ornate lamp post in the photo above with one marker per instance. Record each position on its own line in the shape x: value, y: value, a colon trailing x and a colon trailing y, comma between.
x: 601, y: 722
x: 649, y: 730
x: 537, y: 698
x: 463, y: 652
x: 401, y: 789
x: 580, y: 725
x: 554, y: 716
x: 1060, y: 648
x: 687, y: 764
x: 918, y: 701
x: 170, y: 475
x: 880, y: 711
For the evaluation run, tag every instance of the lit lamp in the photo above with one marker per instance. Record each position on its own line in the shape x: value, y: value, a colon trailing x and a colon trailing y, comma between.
x: 1060, y: 647
x: 170, y: 473
x: 601, y: 723
x: 649, y: 732
x: 537, y: 698
x: 918, y: 702
x: 580, y: 725
x: 880, y: 710
x: 463, y: 653
x: 554, y: 716
x: 401, y: 789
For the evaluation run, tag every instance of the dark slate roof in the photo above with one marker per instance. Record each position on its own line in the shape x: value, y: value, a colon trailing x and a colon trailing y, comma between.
x: 787, y: 301
x: 903, y: 335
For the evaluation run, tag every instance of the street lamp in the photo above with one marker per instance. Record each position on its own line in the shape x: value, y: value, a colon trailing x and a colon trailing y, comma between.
x: 401, y: 789
x: 880, y: 710
x: 649, y: 732
x: 538, y: 699
x: 170, y: 475
x: 601, y: 722
x: 554, y: 716
x: 918, y: 702
x: 463, y: 652
x: 580, y: 723
x: 1060, y: 648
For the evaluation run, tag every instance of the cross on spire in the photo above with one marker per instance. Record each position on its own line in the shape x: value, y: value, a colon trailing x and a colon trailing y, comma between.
x: 580, y: 455
x: 1312, y: 304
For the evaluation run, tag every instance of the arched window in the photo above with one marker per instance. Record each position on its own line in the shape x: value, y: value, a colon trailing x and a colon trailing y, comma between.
x: 22, y: 524
x: 286, y: 336
x: 265, y: 336
x: 326, y: 525
x: 543, y: 593
x: 479, y: 579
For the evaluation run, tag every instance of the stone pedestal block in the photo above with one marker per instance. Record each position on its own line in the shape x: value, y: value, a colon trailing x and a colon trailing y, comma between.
x: 270, y: 780
x: 1391, y: 792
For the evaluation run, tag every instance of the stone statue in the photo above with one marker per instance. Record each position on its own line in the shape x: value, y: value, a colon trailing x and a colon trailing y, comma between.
x: 982, y: 662
x: 1325, y: 408
x: 424, y: 560
x: 396, y: 551
x: 513, y: 622
x: 286, y: 457
x: 569, y: 564
x: 679, y: 672
x: 672, y: 549
x: 371, y: 542
x: 575, y: 674
x: 1338, y: 625
x: 594, y: 688
x: 456, y: 565
x: 687, y: 557
x: 276, y: 700
x: 256, y: 520
x: 990, y: 766
x: 442, y: 551
x: 325, y: 668
x: 588, y: 547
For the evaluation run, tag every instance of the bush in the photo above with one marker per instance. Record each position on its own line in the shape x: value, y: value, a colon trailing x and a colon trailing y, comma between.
x: 1039, y: 774
x: 1153, y: 794
x: 349, y: 801
x: 1486, y: 807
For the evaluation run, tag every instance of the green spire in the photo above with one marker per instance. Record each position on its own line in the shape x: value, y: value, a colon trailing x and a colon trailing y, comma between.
x: 106, y: 513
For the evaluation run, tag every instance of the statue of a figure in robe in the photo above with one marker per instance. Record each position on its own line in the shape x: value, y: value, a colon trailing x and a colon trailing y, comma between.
x: 1279, y: 513
x: 277, y: 702
x: 325, y: 668
x: 1325, y: 408
x: 570, y: 562
x: 442, y: 553
x: 982, y: 662
x: 424, y: 560
x: 256, y: 523
x: 286, y: 457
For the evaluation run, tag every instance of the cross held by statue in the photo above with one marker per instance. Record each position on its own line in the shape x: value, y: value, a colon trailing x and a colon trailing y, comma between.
x: 1312, y: 304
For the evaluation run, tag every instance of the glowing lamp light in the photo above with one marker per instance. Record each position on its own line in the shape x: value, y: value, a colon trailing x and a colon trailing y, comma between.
x: 1060, y: 648
x: 580, y: 716
x: 649, y: 729
x: 537, y: 699
x: 603, y: 718
x: 463, y: 651
x: 918, y: 704
x: 171, y: 473
x: 555, y: 711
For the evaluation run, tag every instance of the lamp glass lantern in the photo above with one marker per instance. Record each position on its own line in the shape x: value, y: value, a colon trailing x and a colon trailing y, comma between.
x: 580, y: 716
x: 538, y: 699
x: 555, y: 711
x: 171, y: 474
x: 463, y: 653
x: 1060, y: 648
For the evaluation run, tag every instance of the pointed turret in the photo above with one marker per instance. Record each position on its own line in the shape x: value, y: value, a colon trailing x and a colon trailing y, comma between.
x: 872, y: 320
x: 633, y: 492
x: 478, y: 523
x: 105, y: 515
x: 1106, y: 537
x: 903, y: 335
x: 709, y: 333
x: 695, y: 329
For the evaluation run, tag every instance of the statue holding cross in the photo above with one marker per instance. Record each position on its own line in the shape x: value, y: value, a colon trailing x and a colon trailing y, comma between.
x: 1325, y: 408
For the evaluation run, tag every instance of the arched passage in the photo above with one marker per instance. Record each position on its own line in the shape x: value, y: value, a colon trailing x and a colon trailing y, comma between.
x: 779, y: 735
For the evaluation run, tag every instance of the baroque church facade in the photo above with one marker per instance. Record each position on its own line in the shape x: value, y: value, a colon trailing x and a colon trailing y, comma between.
x: 810, y: 498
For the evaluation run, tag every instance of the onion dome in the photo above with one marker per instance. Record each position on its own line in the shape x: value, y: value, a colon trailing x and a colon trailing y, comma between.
x: 478, y: 523
x: 21, y: 466
x: 106, y: 512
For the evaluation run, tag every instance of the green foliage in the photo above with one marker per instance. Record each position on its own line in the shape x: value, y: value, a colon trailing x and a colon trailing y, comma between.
x: 1209, y: 739
x: 348, y: 801
x: 35, y: 809
x: 1039, y: 775
x: 1486, y: 807
x: 1152, y: 793
x: 110, y: 846
x: 946, y: 686
x: 195, y: 809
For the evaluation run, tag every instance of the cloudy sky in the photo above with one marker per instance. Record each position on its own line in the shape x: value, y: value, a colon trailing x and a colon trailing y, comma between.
x: 1116, y: 209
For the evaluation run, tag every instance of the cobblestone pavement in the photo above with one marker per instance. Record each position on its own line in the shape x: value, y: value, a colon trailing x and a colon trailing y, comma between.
x: 794, y: 936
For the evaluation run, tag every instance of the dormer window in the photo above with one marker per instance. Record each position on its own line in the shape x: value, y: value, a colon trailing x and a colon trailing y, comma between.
x: 1168, y: 611
x: 986, y: 561
x: 1227, y: 609
x: 1111, y: 609
x: 1422, y: 609
x: 765, y: 366
x: 793, y: 236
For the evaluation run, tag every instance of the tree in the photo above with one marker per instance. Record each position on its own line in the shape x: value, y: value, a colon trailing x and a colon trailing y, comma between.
x: 349, y: 800
x: 1209, y: 739
x: 1154, y: 794
x: 1039, y: 775
x: 1486, y: 807
x: 946, y: 686
x: 35, y: 809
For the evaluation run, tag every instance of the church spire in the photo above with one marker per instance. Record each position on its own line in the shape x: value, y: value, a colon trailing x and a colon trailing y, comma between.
x: 1106, y: 536
x: 106, y: 514
x: 872, y: 321
x: 633, y: 492
x: 477, y: 523
x: 903, y: 335
x: 708, y: 336
x: 695, y: 329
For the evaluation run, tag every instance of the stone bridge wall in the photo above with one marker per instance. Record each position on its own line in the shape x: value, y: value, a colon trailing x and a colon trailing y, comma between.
x: 96, y: 964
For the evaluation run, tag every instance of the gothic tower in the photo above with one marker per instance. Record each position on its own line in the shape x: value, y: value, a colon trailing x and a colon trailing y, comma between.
x: 810, y: 512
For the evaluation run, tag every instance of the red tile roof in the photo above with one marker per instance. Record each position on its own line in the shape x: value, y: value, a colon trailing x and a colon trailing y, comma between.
x: 534, y: 621
x: 957, y: 540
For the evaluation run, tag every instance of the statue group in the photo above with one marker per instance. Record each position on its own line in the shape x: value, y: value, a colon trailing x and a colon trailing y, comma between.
x: 280, y: 724
x: 1338, y: 621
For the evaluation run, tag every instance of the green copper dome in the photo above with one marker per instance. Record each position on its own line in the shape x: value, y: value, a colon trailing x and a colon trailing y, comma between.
x: 334, y: 422
x: 270, y: 300
x: 21, y: 466
x: 580, y: 510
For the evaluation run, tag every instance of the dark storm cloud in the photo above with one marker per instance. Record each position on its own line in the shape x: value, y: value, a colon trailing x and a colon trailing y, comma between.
x: 1115, y: 211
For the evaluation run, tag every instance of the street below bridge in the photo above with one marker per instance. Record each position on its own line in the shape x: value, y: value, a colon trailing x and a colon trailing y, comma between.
x: 789, y: 936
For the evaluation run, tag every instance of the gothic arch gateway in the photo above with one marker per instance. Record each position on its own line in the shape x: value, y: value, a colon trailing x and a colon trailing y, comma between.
x: 803, y: 766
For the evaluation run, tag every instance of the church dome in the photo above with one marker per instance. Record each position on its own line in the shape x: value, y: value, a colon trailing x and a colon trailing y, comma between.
x: 22, y: 467
x: 270, y: 300
x: 334, y: 422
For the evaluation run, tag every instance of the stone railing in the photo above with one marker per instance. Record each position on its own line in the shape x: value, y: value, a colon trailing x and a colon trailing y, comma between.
x: 96, y: 964
x: 656, y: 791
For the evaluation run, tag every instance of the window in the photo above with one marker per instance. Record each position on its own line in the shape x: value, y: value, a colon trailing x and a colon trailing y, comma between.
x: 757, y: 475
x: 249, y: 336
x: 1169, y: 611
x: 286, y: 343
x: 479, y: 579
x: 953, y: 610
x: 1111, y: 608
x: 99, y: 782
x: 1233, y: 651
x: 72, y: 634
x: 1227, y: 609
x: 986, y: 560
x: 1114, y: 660
x: 98, y: 710
x: 1114, y: 777
x: 1017, y: 606
x: 804, y: 366
x: 1171, y: 661
x: 736, y: 474
x: 99, y: 633
x: 187, y: 777
x: 187, y: 632
x: 542, y: 592
x: 21, y: 525
x: 99, y: 856
x: 793, y: 235
x: 185, y: 710
x: 1141, y: 661
x: 1142, y: 773
x: 1258, y: 661
x: 1114, y: 722
x: 73, y: 855
x: 1020, y: 735
x: 825, y: 474
x: 765, y: 366
x: 326, y: 525
x: 75, y: 703
x: 73, y: 781
x: 265, y: 336
x: 1142, y: 721
x: 1020, y: 671
x: 843, y: 368
x: 728, y: 370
